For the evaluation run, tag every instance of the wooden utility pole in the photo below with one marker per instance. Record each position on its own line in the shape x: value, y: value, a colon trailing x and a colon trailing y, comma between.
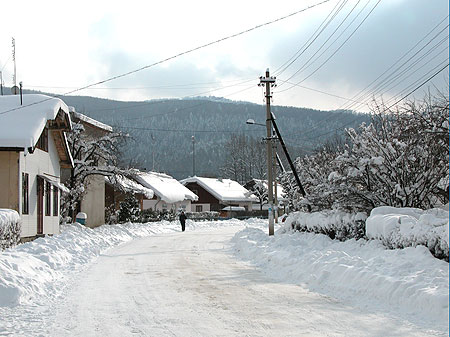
x: 269, y: 82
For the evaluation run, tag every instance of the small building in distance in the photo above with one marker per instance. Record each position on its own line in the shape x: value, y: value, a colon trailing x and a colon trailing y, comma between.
x: 214, y: 194
x: 169, y: 193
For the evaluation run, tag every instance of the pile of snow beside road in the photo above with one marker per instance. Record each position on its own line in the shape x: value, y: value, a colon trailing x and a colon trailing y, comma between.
x: 410, y: 227
x: 409, y: 282
x: 43, y: 267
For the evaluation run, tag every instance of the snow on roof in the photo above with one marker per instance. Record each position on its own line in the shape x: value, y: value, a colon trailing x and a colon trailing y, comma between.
x: 222, y: 189
x: 92, y: 121
x: 22, y: 125
x: 167, y: 188
x: 129, y: 185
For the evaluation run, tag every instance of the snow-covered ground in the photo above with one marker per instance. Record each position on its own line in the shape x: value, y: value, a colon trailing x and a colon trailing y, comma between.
x: 39, y: 281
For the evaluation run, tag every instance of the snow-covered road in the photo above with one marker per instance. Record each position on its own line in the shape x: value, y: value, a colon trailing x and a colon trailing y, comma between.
x: 190, y: 284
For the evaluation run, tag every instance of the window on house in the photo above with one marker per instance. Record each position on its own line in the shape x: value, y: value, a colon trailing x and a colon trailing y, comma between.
x: 55, y: 201
x: 199, y: 208
x: 25, y: 193
x: 43, y: 141
x: 47, y: 198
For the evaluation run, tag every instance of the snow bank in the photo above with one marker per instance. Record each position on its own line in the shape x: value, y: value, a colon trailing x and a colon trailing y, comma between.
x: 10, y: 227
x: 409, y: 282
x: 336, y: 224
x: 42, y: 267
x: 410, y: 227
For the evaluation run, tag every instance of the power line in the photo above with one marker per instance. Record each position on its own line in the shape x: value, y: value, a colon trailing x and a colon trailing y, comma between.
x: 312, y: 60
x: 360, y: 96
x: 176, y: 56
x: 311, y: 39
x: 334, y: 53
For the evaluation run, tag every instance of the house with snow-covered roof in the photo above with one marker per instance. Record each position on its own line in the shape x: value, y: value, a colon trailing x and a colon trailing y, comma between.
x: 214, y: 194
x: 169, y: 193
x: 33, y: 150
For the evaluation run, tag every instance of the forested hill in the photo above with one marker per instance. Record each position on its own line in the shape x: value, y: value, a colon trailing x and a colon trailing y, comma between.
x: 161, y: 130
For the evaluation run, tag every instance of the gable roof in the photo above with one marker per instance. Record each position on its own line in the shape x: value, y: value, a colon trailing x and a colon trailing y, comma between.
x: 22, y: 125
x: 222, y: 189
x: 165, y: 187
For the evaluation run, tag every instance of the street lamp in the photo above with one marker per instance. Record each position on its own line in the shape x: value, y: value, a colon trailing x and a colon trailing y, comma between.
x: 252, y: 122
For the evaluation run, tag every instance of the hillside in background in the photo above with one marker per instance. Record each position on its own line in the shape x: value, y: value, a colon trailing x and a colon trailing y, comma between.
x: 161, y: 130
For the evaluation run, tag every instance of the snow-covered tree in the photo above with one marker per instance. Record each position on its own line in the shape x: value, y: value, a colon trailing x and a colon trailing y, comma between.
x: 245, y: 159
x: 259, y: 189
x: 400, y: 159
x: 92, y: 156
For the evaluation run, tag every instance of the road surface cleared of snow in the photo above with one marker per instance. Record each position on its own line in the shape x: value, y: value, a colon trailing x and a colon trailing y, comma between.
x: 190, y: 284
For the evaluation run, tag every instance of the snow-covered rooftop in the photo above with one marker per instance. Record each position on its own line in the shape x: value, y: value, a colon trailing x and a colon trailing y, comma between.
x: 222, y: 189
x: 129, y: 185
x: 167, y: 188
x: 92, y: 121
x: 22, y: 125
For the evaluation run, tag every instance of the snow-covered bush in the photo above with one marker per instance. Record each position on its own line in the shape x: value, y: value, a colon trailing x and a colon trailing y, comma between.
x: 411, y: 227
x: 10, y: 228
x: 202, y: 215
x: 335, y: 224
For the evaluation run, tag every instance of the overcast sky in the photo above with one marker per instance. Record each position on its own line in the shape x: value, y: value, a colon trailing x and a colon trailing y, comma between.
x: 62, y: 45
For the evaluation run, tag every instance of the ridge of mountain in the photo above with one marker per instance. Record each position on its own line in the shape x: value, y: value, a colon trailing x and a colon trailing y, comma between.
x: 161, y: 130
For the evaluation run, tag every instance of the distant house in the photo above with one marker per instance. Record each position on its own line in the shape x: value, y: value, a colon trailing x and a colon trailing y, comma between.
x: 260, y: 191
x: 33, y: 150
x: 169, y: 193
x: 216, y: 194
x: 93, y: 202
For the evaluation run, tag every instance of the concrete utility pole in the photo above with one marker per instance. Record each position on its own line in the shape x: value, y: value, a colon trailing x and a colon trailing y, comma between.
x: 269, y: 82
x: 193, y: 156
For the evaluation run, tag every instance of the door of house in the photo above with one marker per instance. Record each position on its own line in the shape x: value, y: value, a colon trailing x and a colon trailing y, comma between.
x: 40, y: 205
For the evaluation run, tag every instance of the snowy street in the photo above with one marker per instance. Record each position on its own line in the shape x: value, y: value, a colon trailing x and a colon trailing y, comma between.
x: 219, y: 278
x: 187, y: 284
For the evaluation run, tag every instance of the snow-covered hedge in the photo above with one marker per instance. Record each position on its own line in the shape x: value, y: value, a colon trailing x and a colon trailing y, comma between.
x: 410, y: 227
x: 10, y: 227
x: 335, y: 224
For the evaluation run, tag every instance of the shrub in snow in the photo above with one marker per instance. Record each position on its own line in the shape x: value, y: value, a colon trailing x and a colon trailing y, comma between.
x: 10, y: 228
x: 410, y: 227
x: 335, y: 224
x: 202, y: 215
x: 129, y: 210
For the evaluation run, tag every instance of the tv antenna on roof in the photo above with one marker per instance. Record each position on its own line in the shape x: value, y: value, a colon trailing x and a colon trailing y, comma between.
x: 15, y: 89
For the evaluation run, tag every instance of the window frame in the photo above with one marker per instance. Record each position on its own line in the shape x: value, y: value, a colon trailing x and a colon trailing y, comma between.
x: 48, y: 206
x: 55, y: 195
x: 25, y: 193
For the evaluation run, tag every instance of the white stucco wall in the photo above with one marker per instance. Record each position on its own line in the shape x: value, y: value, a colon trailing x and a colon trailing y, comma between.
x: 39, y: 163
x: 159, y: 205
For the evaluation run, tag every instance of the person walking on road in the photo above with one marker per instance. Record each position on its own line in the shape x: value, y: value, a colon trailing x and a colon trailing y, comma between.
x: 182, y: 220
